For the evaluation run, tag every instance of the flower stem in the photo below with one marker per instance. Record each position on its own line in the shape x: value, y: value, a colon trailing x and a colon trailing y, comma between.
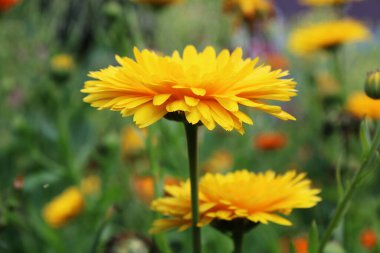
x: 368, y: 159
x: 192, y: 149
x: 237, y: 237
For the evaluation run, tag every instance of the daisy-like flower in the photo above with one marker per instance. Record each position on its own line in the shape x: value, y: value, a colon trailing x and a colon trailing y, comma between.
x: 254, y: 197
x: 360, y: 105
x: 249, y: 8
x: 202, y: 87
x: 326, y: 35
x: 318, y: 3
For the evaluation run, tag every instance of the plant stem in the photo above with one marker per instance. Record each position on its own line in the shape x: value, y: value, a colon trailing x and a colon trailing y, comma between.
x: 192, y: 149
x: 368, y: 159
x: 237, y: 237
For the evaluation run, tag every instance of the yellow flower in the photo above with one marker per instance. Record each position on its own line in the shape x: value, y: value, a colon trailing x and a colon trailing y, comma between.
x: 202, y: 87
x: 158, y: 2
x: 133, y: 141
x: 257, y: 197
x: 360, y: 105
x: 63, y: 207
x: 249, y: 8
x: 325, y: 2
x: 91, y: 184
x: 327, y: 34
x: 220, y: 161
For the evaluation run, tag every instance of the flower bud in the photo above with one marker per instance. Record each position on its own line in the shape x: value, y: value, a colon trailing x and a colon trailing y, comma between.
x: 61, y: 66
x: 372, y: 85
x: 113, y: 10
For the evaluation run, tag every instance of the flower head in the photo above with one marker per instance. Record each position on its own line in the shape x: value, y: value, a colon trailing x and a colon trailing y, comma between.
x: 360, y: 105
x: 63, y: 207
x: 368, y: 239
x: 256, y: 197
x: 301, y: 245
x: 203, y: 87
x: 317, y: 3
x: 90, y: 185
x: 372, y: 85
x: 249, y: 8
x: 6, y: 4
x: 326, y: 35
x: 270, y: 141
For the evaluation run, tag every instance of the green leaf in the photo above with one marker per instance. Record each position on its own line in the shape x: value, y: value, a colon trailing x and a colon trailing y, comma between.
x: 313, y: 238
x: 292, y: 249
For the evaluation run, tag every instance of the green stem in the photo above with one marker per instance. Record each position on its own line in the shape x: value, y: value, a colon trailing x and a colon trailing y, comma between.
x: 192, y: 147
x: 237, y: 237
x: 368, y: 159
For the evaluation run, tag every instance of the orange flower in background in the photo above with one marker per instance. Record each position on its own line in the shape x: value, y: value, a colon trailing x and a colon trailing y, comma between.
x: 277, y: 61
x: 368, y: 239
x: 199, y: 87
x: 144, y: 187
x: 7, y: 4
x: 301, y: 245
x: 270, y: 141
x: 133, y: 141
x: 64, y: 207
x: 361, y: 106
x: 220, y: 161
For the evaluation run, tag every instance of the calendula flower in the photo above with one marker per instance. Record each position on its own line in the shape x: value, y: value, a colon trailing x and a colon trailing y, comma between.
x: 255, y: 197
x: 6, y: 4
x: 133, y: 141
x: 220, y: 161
x: 318, y: 3
x: 301, y: 245
x: 249, y: 8
x: 270, y: 141
x: 361, y: 106
x: 158, y: 2
x: 326, y: 35
x: 64, y: 207
x: 61, y: 66
x: 201, y: 87
x: 368, y: 239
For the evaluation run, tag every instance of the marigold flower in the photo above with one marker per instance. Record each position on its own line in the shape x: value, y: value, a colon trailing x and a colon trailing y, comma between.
x: 203, y: 87
x: 249, y: 8
x: 301, y: 245
x: 220, y: 161
x: 256, y: 197
x: 327, y: 34
x: 7, y: 4
x: 360, y: 105
x: 158, y: 2
x: 270, y: 141
x: 317, y: 3
x: 64, y: 207
x: 368, y: 239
